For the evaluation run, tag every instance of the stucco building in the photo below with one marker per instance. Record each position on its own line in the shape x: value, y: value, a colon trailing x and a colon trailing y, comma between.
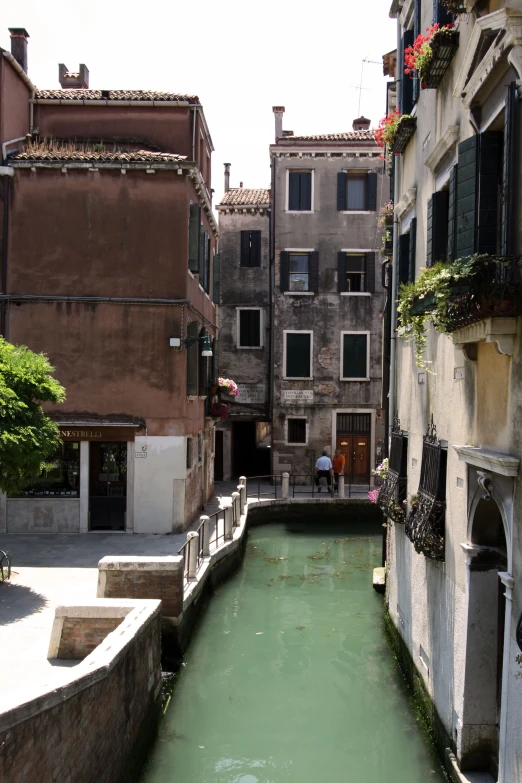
x: 108, y: 244
x: 327, y: 191
x: 454, y: 561
x: 245, y: 328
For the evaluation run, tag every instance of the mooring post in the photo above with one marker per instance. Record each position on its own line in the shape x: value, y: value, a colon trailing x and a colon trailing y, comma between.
x: 193, y: 542
x: 285, y: 485
x: 340, y: 485
x: 205, y: 532
x: 242, y: 481
x: 235, y: 506
x: 242, y: 497
x: 229, y: 522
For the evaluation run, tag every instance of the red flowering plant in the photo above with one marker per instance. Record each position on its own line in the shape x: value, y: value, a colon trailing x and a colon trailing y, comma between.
x: 388, y: 128
x: 419, y: 56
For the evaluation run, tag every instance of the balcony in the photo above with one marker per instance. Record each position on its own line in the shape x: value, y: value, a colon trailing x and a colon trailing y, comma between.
x: 392, y: 495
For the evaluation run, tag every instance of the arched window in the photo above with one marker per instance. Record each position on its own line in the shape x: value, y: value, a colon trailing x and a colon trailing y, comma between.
x: 193, y: 351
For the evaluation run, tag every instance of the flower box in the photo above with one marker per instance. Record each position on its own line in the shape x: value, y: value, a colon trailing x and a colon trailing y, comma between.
x: 405, y: 130
x: 443, y: 46
x: 455, y: 7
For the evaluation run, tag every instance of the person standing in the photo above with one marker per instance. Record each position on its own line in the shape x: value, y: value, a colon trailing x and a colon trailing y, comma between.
x: 323, y: 468
x: 339, y: 462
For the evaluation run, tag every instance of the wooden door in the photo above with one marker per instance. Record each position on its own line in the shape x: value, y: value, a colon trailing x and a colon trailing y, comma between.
x: 345, y: 446
x: 361, y: 458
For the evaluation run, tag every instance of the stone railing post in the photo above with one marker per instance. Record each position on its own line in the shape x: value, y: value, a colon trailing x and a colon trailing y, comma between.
x: 193, y: 542
x: 340, y: 485
x: 242, y: 481
x: 242, y: 498
x: 235, y: 506
x: 285, y: 485
x: 229, y: 522
x: 205, y: 532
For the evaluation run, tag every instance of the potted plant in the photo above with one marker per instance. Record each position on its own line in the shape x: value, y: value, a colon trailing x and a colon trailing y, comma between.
x: 228, y: 387
x: 456, y: 7
x: 219, y: 410
x: 395, y: 131
x: 431, y: 54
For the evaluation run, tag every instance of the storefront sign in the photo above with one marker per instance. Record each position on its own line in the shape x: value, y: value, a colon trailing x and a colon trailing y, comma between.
x: 251, y: 393
x: 105, y: 434
x: 297, y: 395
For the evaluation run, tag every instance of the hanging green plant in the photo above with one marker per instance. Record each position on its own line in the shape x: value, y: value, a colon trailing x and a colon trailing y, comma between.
x: 456, y: 294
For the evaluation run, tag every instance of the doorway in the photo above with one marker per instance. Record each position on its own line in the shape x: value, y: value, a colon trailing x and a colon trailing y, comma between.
x: 107, y: 485
x: 218, y: 457
x: 353, y: 440
x: 249, y: 457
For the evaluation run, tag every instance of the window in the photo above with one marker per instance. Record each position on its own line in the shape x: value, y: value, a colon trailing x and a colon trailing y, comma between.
x: 437, y: 228
x: 407, y: 246
x: 356, y: 272
x: 188, y: 463
x: 355, y: 356
x: 250, y: 248
x: 249, y: 327
x: 200, y: 447
x: 296, y: 431
x: 194, y: 229
x: 299, y: 191
x: 357, y: 191
x: 297, y: 350
x: 192, y: 352
x: 60, y: 477
x: 203, y: 366
x: 299, y: 271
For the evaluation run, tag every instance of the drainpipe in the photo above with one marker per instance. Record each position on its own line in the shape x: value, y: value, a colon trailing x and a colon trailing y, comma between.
x: 4, y: 194
x: 271, y: 288
x: 194, y: 134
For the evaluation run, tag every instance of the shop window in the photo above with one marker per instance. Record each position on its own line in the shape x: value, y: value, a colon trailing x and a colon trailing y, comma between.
x: 60, y: 476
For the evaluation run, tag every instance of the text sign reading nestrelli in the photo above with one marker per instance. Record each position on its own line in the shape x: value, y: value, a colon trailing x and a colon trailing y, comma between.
x: 251, y: 393
x: 297, y: 395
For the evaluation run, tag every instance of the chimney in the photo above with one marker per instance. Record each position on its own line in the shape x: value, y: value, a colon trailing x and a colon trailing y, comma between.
x: 361, y: 124
x: 73, y: 80
x: 19, y: 36
x: 278, y: 114
x: 227, y: 177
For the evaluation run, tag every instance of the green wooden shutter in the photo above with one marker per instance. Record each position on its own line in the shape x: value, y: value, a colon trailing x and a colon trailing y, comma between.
x: 416, y: 31
x: 206, y: 261
x: 508, y: 218
x: 341, y: 191
x: 194, y: 223
x: 452, y: 204
x: 429, y: 234
x: 392, y: 179
x: 370, y: 272
x: 406, y: 83
x: 284, y: 266
x: 201, y: 260
x: 341, y: 272
x: 245, y: 248
x: 440, y: 226
x: 412, y: 249
x: 216, y: 278
x: 255, y: 241
x: 314, y: 272
x: 371, y: 191
x: 489, y: 191
x: 404, y: 258
x: 466, y: 201
x: 294, y: 181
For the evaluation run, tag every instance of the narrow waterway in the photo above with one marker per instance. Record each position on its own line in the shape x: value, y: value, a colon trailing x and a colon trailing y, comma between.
x: 289, y: 677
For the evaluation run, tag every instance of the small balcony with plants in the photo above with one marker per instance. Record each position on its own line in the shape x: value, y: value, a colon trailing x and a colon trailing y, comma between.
x: 395, y: 131
x: 431, y: 54
x: 391, y: 495
x: 385, y: 224
x: 216, y: 408
x: 458, y: 295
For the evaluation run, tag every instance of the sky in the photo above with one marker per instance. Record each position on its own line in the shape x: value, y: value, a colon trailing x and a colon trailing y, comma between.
x: 240, y: 58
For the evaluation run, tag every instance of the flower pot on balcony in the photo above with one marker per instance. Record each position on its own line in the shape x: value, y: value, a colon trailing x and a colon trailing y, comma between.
x: 443, y: 46
x: 388, y: 248
x: 405, y: 130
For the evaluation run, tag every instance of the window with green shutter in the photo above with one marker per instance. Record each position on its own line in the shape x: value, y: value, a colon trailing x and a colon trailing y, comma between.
x: 354, y: 356
x: 299, y: 191
x: 356, y: 272
x: 250, y: 248
x: 357, y: 192
x: 416, y: 31
x: 412, y: 250
x: 194, y: 224
x: 298, y: 354
x: 509, y: 173
x: 405, y: 83
x: 452, y: 214
x: 437, y: 228
x: 404, y: 259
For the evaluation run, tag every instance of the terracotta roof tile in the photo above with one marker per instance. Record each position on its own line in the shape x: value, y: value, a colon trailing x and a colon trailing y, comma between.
x: 95, y: 153
x: 246, y: 197
x: 368, y: 135
x: 113, y: 95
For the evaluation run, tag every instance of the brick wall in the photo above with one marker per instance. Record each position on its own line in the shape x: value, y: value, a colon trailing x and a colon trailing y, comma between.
x: 96, y: 733
x: 164, y: 585
x: 80, y: 635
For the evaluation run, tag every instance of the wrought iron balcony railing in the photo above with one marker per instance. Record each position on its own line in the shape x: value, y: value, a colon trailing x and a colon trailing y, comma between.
x: 393, y: 491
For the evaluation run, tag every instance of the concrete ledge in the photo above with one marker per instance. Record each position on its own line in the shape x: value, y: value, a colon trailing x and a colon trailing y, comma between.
x: 141, y: 577
x: 142, y: 562
x: 379, y: 579
x: 463, y: 777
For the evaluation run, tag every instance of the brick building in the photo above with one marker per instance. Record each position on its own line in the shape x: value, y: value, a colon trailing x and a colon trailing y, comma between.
x: 107, y: 244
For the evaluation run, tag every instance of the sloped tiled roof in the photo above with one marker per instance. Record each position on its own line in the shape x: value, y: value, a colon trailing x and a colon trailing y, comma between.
x: 246, y: 196
x: 368, y: 135
x: 113, y: 95
x: 87, y: 153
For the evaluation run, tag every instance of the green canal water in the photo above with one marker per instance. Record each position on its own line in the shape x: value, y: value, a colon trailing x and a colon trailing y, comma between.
x: 288, y: 676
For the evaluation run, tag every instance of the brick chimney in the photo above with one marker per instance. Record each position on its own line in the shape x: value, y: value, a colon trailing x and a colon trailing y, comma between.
x: 73, y: 80
x: 19, y: 36
x: 227, y: 177
x: 361, y: 123
x: 278, y: 114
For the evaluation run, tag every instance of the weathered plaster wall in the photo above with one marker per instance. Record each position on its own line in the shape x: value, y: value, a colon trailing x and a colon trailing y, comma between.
x: 43, y: 515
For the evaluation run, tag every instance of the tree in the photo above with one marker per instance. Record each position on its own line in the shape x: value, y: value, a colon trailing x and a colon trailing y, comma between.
x: 27, y: 436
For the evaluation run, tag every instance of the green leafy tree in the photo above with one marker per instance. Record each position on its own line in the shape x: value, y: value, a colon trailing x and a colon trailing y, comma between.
x: 27, y: 436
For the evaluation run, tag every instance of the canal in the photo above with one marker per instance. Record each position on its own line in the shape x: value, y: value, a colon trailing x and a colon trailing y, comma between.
x: 289, y: 677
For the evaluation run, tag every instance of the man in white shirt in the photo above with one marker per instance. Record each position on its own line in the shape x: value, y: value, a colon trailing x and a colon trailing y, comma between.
x: 323, y: 467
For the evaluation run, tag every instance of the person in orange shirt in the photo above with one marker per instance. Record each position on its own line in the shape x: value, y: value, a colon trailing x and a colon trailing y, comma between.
x: 338, y: 466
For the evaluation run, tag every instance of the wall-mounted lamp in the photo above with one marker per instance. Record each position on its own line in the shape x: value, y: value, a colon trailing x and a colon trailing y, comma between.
x: 175, y: 342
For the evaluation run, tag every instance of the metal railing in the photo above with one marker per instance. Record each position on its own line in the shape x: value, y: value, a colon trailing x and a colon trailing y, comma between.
x: 305, y: 484
x: 184, y: 552
x: 264, y: 486
x: 217, y: 529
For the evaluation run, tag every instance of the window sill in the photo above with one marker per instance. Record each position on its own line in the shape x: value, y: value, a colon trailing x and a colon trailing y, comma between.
x: 287, y: 443
x: 192, y: 397
x: 249, y: 347
x: 299, y: 293
x: 357, y: 380
x: 290, y: 378
x: 202, y: 397
x: 299, y: 211
x: 356, y: 212
x: 355, y: 293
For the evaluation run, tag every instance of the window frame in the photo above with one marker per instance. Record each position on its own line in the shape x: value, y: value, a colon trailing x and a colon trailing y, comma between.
x: 189, y: 453
x: 341, y: 352
x: 350, y: 251
x: 307, y: 431
x: 238, y: 330
x: 312, y: 194
x: 353, y: 175
x: 302, y: 377
x: 249, y: 265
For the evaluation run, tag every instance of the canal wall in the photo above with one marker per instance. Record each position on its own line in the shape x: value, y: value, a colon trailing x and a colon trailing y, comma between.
x: 97, y: 725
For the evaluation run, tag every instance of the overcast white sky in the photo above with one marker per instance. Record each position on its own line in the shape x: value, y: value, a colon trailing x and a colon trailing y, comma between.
x: 241, y: 59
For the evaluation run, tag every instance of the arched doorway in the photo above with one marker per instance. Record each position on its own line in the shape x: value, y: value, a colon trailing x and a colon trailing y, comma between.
x: 486, y: 559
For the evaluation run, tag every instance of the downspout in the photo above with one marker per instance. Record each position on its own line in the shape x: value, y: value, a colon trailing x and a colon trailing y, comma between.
x: 194, y: 115
x: 271, y: 288
x: 4, y: 193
